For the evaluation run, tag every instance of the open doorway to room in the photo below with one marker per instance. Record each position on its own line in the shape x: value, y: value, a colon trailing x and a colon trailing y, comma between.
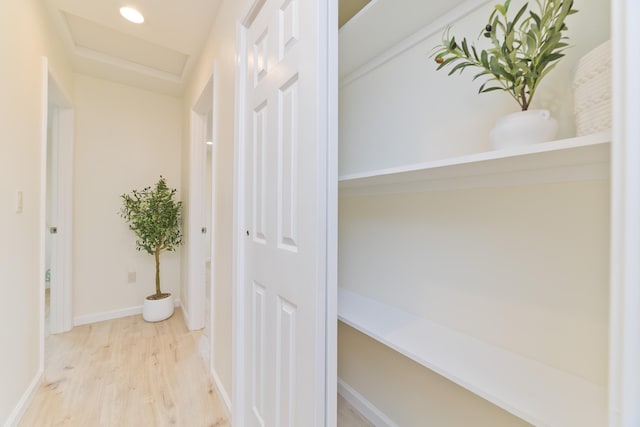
x: 56, y: 202
x: 201, y: 217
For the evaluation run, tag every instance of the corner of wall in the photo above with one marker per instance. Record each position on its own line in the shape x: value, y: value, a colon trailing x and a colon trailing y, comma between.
x: 16, y: 415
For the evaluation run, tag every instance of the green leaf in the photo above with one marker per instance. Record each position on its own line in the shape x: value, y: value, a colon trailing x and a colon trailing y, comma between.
x: 461, y: 66
x: 483, y: 73
x: 154, y: 216
x: 522, y: 52
x: 475, y: 53
x: 484, y: 59
x: 519, y: 14
x: 554, y: 57
x: 490, y: 89
x: 465, y: 48
x: 447, y: 62
x: 536, y: 18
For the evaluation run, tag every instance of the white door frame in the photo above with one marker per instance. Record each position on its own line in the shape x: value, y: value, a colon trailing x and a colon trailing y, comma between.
x: 198, y: 227
x: 57, y: 108
x: 330, y: 88
x: 624, y: 356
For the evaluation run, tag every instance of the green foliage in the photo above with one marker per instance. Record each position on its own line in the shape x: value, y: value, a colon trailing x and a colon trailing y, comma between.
x: 154, y: 216
x: 524, y: 49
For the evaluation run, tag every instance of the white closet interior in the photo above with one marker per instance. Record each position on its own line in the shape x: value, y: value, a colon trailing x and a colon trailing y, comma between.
x: 474, y: 284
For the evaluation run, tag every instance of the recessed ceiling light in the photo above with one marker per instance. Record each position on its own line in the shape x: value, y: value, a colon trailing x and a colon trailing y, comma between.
x: 209, y: 142
x: 130, y: 14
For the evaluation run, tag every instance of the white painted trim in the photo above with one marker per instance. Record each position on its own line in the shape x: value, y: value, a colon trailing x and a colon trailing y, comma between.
x: 195, y: 239
x: 128, y: 65
x: 212, y: 224
x: 239, y: 327
x: 331, y: 306
x: 185, y: 315
x: 207, y: 101
x: 434, y: 27
x: 65, y: 215
x: 43, y: 206
x: 113, y: 314
x: 18, y: 411
x: 250, y: 11
x: 624, y: 347
x: 368, y: 410
x: 222, y: 393
x: 62, y: 118
x: 61, y: 154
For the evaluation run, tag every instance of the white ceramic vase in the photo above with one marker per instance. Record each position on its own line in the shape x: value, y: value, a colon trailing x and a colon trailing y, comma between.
x: 155, y: 310
x: 523, y: 128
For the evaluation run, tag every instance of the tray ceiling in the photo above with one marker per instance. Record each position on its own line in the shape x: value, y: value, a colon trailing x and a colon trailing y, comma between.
x: 157, y: 55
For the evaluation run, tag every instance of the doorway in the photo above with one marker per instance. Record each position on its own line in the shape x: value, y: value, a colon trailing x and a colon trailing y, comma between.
x: 56, y: 206
x: 201, y: 217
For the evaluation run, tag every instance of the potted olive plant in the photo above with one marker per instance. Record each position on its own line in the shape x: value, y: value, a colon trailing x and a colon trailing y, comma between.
x: 154, y: 216
x: 524, y: 49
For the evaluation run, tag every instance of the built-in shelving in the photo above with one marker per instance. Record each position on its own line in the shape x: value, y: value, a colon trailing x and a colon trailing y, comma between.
x: 585, y: 157
x: 535, y: 392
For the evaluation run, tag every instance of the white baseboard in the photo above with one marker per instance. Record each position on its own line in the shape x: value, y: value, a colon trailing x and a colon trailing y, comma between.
x: 186, y: 316
x: 113, y: 314
x: 25, y: 400
x: 222, y: 393
x: 362, y: 405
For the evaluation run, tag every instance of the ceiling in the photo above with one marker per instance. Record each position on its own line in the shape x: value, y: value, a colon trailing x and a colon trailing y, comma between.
x: 160, y: 54
x: 157, y: 55
x: 347, y: 9
x: 383, y: 23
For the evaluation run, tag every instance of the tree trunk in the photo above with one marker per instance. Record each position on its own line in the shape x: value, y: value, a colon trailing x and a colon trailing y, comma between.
x: 524, y: 103
x: 157, y: 254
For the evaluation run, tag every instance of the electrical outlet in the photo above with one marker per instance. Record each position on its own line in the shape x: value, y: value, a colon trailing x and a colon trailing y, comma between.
x: 131, y: 277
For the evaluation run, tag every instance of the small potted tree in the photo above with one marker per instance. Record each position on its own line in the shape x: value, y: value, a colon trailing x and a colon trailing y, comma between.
x: 154, y: 216
x: 523, y: 50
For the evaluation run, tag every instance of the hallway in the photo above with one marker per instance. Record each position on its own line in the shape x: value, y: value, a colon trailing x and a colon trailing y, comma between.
x: 125, y: 372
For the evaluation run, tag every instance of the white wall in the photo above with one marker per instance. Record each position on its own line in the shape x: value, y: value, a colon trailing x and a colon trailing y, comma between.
x: 220, y: 46
x: 405, y: 111
x: 522, y: 267
x: 525, y: 268
x: 26, y: 35
x: 125, y: 139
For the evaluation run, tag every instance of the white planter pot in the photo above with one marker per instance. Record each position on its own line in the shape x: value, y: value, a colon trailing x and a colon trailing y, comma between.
x: 157, y: 310
x: 524, y: 128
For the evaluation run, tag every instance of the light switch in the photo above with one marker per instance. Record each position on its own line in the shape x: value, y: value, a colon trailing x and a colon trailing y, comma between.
x: 19, y: 197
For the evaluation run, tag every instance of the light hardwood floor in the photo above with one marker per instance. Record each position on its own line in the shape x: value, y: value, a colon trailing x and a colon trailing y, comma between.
x: 349, y: 417
x: 127, y: 372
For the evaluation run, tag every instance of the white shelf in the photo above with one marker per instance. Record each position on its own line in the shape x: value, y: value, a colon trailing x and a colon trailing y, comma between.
x: 535, y: 392
x: 580, y: 158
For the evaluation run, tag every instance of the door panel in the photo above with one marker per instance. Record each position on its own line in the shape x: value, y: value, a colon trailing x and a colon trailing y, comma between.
x: 284, y: 257
x: 288, y: 165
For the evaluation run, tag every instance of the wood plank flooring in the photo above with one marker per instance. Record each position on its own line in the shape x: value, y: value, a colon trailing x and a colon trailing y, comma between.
x: 127, y: 372
x: 349, y: 417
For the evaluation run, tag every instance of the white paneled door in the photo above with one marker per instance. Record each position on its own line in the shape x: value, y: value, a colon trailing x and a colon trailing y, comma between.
x: 284, y: 210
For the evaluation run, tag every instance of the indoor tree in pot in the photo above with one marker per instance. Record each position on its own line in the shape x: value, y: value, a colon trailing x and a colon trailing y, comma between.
x: 154, y: 216
x: 523, y: 51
